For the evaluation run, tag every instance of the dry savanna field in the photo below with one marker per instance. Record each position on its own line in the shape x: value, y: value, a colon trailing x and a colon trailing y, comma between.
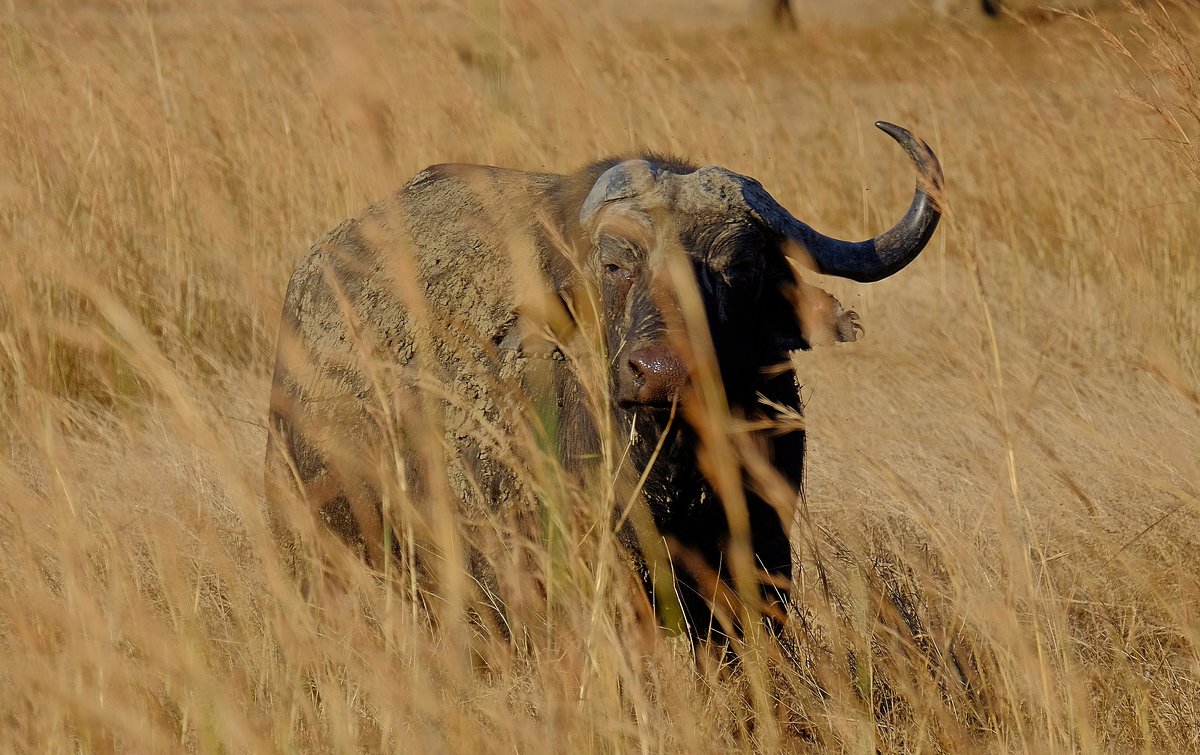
x: 998, y: 544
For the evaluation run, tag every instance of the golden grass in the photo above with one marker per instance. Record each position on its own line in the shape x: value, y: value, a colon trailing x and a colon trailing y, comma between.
x: 1005, y: 469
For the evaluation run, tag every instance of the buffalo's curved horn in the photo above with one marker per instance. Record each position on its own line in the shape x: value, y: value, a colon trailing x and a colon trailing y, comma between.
x: 717, y: 190
x: 873, y: 259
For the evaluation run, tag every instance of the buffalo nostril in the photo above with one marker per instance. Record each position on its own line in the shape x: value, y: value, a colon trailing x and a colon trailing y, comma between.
x: 658, y: 375
x: 638, y: 367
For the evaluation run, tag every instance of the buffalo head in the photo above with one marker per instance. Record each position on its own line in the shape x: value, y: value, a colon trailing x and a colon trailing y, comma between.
x: 649, y: 223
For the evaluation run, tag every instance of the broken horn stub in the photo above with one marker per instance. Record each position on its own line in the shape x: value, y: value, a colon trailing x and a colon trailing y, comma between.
x: 710, y: 189
x: 625, y: 180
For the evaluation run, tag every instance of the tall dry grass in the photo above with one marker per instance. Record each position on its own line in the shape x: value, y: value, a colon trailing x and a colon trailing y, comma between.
x: 1004, y: 474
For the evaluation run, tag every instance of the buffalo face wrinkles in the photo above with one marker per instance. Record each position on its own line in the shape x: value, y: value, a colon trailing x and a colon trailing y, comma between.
x: 734, y: 270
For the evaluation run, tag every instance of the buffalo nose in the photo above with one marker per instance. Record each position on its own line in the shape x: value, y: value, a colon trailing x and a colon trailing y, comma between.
x: 658, y: 375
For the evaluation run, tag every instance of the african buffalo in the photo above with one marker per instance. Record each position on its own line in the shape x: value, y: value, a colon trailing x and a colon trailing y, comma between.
x: 427, y: 343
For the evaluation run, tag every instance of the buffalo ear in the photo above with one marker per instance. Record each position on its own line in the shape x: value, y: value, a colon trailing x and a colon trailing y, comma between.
x: 814, y: 318
x: 823, y: 319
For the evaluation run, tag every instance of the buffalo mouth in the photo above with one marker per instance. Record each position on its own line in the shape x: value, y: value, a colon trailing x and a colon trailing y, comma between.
x: 665, y: 406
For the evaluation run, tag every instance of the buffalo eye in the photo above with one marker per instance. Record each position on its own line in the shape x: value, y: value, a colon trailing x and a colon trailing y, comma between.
x: 619, y: 259
x: 741, y: 276
x: 618, y: 276
x: 744, y: 272
x: 617, y: 281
